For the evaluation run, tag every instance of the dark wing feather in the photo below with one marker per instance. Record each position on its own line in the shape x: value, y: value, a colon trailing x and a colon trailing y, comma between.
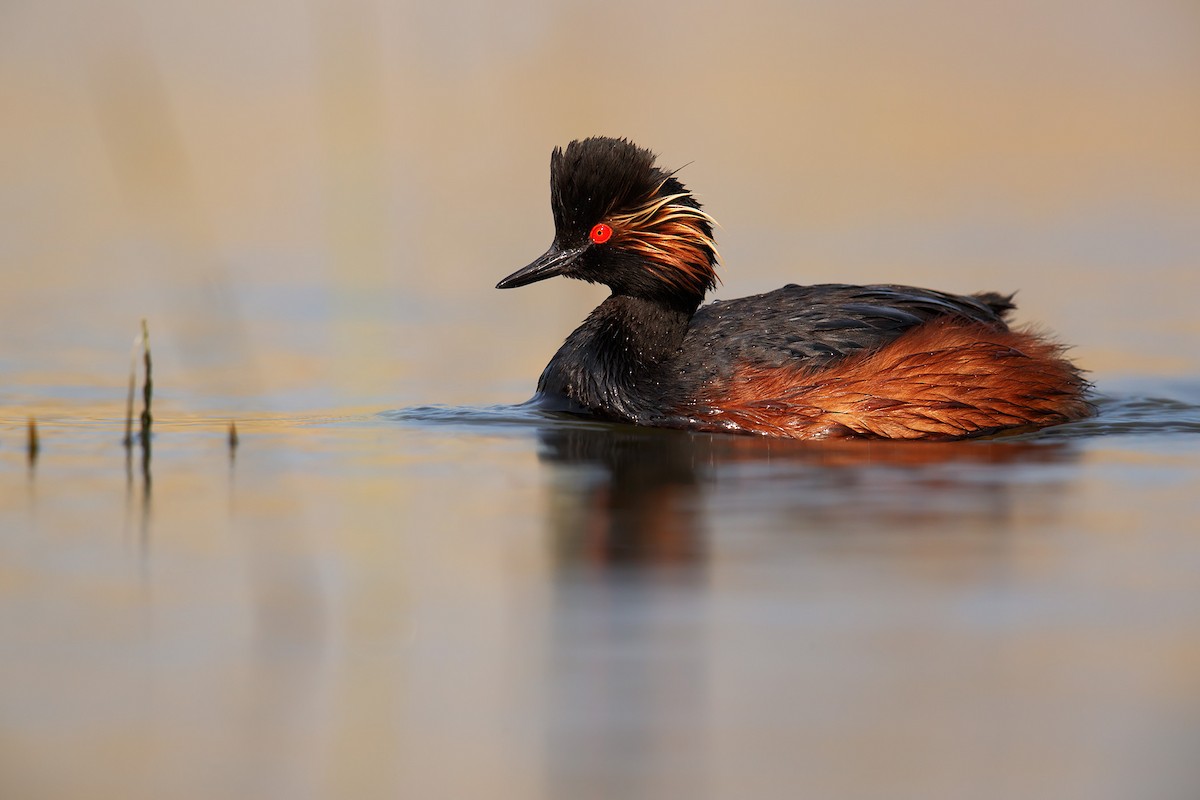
x: 821, y: 324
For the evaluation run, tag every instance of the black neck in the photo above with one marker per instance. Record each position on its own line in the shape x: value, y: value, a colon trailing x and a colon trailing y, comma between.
x: 612, y: 359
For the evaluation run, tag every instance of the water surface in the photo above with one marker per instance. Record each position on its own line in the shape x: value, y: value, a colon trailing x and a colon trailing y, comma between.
x: 578, y: 608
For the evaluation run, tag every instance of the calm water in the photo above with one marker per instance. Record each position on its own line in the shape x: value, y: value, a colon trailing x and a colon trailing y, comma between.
x: 362, y: 605
x: 405, y: 584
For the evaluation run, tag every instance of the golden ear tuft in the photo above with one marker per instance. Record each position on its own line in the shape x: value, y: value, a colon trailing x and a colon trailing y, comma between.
x: 675, y: 239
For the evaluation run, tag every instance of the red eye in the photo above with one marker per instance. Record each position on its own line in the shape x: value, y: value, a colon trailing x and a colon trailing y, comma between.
x: 600, y: 234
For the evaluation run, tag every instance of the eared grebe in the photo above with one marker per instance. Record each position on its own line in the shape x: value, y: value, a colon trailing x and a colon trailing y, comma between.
x: 805, y: 362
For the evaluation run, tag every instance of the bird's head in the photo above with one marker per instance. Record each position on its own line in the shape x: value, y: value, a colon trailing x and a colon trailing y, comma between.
x: 621, y: 221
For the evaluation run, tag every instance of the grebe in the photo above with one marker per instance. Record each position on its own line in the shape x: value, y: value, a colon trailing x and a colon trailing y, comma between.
x: 805, y: 362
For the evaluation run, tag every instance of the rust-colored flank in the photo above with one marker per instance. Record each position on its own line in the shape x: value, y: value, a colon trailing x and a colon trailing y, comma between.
x: 941, y: 380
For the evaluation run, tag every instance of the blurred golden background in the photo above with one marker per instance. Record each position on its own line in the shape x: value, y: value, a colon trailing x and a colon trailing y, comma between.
x: 323, y: 194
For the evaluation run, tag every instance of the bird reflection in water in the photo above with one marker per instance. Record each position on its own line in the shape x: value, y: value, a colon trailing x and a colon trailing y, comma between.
x: 661, y: 540
x: 627, y: 496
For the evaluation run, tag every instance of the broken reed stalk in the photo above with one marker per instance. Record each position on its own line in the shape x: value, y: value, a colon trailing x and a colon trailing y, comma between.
x: 146, y: 419
x: 147, y: 386
x: 33, y: 444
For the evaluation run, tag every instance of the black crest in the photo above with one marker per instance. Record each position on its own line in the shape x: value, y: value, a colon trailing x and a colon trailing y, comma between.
x: 593, y: 176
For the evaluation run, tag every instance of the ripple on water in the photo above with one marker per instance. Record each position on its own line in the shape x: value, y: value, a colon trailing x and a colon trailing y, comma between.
x: 1116, y: 415
x: 1131, y: 415
x: 523, y: 415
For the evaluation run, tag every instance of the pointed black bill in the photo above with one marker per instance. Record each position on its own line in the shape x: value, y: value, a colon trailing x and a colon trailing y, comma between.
x: 553, y: 262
